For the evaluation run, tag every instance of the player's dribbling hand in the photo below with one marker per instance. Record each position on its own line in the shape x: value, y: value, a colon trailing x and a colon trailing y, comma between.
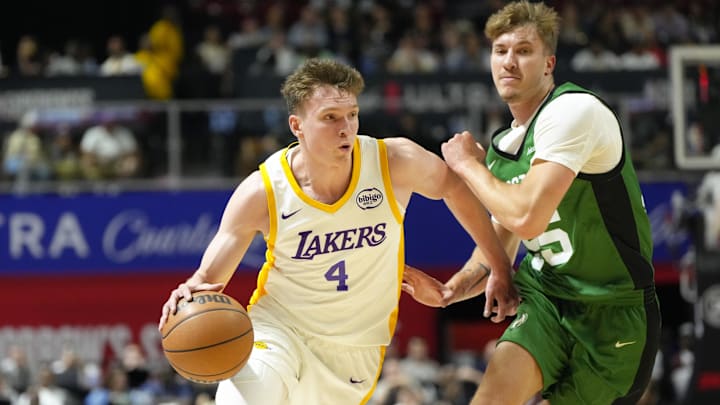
x: 501, y: 297
x: 184, y: 290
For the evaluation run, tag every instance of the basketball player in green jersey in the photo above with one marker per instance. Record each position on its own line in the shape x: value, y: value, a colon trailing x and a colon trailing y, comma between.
x: 560, y: 181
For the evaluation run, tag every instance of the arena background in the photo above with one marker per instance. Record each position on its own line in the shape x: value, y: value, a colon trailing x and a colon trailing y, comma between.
x: 87, y: 264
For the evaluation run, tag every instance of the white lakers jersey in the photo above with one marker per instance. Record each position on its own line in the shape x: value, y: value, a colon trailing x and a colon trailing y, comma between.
x: 334, y: 270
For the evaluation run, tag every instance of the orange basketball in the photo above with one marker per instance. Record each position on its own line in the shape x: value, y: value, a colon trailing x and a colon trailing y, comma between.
x: 209, y: 338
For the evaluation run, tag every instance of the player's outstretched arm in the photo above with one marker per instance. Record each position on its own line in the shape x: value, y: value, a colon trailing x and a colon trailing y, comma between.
x: 415, y: 169
x: 245, y: 214
x: 524, y: 208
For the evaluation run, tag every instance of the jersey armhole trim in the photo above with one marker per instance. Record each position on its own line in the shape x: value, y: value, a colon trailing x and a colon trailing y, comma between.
x: 385, y: 169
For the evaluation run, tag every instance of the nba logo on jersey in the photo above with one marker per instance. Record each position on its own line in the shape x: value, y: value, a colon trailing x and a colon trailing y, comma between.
x: 369, y: 198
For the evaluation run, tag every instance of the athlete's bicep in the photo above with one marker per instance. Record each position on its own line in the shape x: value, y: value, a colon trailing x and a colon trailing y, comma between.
x: 247, y: 211
x: 244, y: 216
x: 544, y: 186
x: 414, y: 169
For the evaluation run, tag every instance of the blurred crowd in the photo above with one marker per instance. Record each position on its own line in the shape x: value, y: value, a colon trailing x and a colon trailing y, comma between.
x: 70, y: 379
x: 223, y: 38
x: 227, y: 37
x: 409, y: 377
x: 196, y: 49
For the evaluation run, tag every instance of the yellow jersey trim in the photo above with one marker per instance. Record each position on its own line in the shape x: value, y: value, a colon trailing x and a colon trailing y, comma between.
x: 331, y: 208
x: 269, y: 239
x: 387, y: 181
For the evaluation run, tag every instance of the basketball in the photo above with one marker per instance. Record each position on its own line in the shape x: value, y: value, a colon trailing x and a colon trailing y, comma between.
x: 209, y: 338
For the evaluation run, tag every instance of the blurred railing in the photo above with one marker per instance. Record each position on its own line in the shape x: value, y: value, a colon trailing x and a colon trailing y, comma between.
x: 212, y: 143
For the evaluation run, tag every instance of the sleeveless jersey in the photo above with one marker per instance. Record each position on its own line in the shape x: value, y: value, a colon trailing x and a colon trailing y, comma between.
x: 598, y: 244
x: 334, y: 271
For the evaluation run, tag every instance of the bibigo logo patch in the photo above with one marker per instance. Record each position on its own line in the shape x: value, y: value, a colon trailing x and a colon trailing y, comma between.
x: 369, y: 198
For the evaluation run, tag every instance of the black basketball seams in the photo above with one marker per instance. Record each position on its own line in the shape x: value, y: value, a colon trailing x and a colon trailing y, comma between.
x: 202, y: 312
x: 188, y: 374
x: 209, y: 346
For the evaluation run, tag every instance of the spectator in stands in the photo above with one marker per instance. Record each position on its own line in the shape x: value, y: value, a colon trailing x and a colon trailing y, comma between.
x: 572, y: 36
x: 636, y: 23
x: 476, y: 56
x: 3, y: 67
x: 30, y: 61
x: 377, y: 39
x: 595, y: 58
x: 250, y: 35
x: 24, y: 154
x: 8, y: 396
x: 419, y: 366
x: 276, y: 57
x: 702, y: 26
x: 683, y: 362
x: 45, y: 391
x: 114, y: 389
x: 76, y: 59
x: 391, y: 379
x: 68, y: 374
x: 109, y: 151
x: 607, y: 29
x: 275, y: 18
x: 166, y: 34
x: 158, y: 84
x: 452, y: 50
x: 135, y: 365
x: 16, y: 369
x: 639, y: 56
x: 341, y: 34
x: 309, y: 33
x: 412, y: 56
x: 64, y: 155
x: 64, y: 63
x: 652, y: 394
x: 119, y: 60
x: 671, y: 26
x: 452, y: 382
x: 212, y: 51
x: 163, y: 53
x: 425, y: 20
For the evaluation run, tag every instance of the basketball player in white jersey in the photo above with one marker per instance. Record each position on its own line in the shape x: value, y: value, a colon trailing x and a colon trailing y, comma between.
x: 331, y: 209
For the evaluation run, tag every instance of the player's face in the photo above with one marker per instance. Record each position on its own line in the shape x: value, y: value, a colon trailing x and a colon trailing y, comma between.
x: 328, y: 124
x: 519, y: 64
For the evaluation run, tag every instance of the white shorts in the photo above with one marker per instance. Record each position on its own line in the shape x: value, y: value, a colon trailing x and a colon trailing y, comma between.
x: 313, y: 371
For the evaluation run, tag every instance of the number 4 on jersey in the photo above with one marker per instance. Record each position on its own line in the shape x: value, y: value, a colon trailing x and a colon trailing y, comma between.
x: 337, y: 273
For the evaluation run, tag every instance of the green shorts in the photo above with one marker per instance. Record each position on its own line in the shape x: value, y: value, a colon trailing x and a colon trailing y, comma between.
x: 589, y: 353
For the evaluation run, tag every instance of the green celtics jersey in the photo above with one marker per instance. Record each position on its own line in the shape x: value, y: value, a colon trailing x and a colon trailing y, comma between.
x: 598, y: 245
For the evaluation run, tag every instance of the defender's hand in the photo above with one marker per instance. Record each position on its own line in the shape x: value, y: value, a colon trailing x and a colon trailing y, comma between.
x: 424, y: 288
x: 501, y: 296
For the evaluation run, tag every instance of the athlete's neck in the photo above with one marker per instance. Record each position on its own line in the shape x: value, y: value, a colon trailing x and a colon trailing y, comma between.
x: 523, y: 111
x: 320, y: 182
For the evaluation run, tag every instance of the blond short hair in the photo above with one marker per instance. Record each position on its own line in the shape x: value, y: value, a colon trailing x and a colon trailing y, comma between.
x: 316, y: 72
x: 521, y: 13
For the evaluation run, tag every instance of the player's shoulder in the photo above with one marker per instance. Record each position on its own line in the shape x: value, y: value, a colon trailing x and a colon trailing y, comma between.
x: 575, y: 101
x: 401, y: 146
x: 570, y: 105
x: 252, y: 186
